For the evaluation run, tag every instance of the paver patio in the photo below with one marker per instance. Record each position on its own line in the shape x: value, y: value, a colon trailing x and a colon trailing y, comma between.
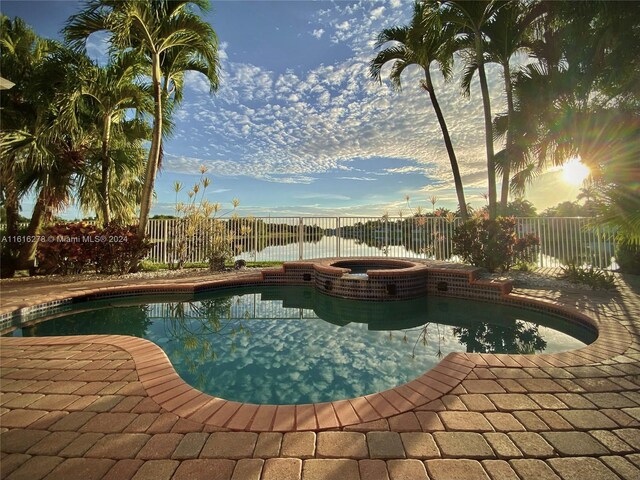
x: 89, y: 408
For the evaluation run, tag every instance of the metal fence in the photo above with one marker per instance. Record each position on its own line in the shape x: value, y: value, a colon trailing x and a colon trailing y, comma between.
x: 277, y: 239
x: 562, y: 240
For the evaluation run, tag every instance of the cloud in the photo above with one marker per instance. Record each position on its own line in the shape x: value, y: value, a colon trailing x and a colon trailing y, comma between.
x: 376, y: 13
x: 98, y: 47
x: 222, y: 51
x: 408, y: 169
x: 196, y: 81
x: 290, y: 126
x: 359, y: 179
x: 323, y: 196
x: 318, y: 33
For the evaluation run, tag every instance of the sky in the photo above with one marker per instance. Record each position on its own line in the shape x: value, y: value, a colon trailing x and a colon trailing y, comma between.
x: 299, y: 128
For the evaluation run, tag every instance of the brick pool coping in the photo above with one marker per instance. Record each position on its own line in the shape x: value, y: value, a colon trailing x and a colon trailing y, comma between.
x: 164, y: 386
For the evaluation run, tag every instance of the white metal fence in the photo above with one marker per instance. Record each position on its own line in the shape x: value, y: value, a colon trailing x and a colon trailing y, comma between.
x: 562, y: 240
x: 277, y: 239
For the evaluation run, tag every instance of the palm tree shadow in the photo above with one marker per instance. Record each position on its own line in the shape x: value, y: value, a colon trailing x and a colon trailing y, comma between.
x: 621, y: 304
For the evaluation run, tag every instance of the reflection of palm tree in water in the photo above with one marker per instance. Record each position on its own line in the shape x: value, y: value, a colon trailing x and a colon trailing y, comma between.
x: 422, y: 338
x: 521, y: 337
x: 196, y: 326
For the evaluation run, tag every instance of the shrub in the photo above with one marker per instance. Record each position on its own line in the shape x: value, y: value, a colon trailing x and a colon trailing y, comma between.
x: 493, y: 244
x: 65, y: 249
x: 591, y: 276
x: 120, y: 250
x: 198, y: 226
x: 77, y: 247
x: 628, y: 257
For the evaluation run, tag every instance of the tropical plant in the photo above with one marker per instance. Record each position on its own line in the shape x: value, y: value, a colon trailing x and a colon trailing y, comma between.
x: 505, y: 35
x: 119, y: 250
x: 422, y: 45
x: 587, y: 275
x: 110, y: 92
x: 125, y: 177
x: 44, y: 155
x: 21, y: 51
x: 172, y: 37
x: 493, y: 244
x: 520, y: 208
x: 580, y: 99
x: 67, y: 249
x: 466, y: 20
x: 199, y: 226
x: 81, y: 246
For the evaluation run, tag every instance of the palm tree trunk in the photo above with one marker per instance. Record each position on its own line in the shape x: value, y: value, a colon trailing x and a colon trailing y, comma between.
x: 28, y: 249
x: 154, y: 151
x: 106, y: 173
x: 457, y: 179
x: 11, y: 207
x: 488, y: 129
x: 506, y: 170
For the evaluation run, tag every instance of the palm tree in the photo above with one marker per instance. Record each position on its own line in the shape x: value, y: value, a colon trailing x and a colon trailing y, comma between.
x: 125, y: 174
x: 415, y: 45
x: 171, y: 37
x: 582, y: 99
x: 469, y: 19
x: 45, y: 156
x: 505, y: 36
x: 21, y: 51
x: 110, y: 93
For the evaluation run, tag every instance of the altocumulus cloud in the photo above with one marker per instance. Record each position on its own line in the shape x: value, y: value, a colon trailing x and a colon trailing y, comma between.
x: 288, y: 126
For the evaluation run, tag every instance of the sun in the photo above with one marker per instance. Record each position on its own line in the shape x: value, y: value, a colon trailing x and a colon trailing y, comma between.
x: 574, y: 171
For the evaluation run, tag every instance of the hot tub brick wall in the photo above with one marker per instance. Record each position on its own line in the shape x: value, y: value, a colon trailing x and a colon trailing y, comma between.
x: 373, y: 288
x: 290, y: 274
x: 407, y: 283
x: 460, y: 284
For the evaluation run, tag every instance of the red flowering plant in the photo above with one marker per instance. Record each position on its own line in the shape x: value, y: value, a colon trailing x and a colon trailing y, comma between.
x: 493, y: 244
x: 119, y: 250
x: 63, y: 248
x: 68, y: 248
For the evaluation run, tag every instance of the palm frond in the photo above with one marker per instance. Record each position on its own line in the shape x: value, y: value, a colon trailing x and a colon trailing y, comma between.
x: 393, y: 34
x: 389, y: 54
x: 470, y: 69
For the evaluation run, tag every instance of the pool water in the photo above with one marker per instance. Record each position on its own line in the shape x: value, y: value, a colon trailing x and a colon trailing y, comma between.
x: 291, y: 345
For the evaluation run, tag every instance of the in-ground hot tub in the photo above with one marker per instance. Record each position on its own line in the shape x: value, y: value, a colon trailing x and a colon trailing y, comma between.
x: 364, y: 266
x: 371, y: 278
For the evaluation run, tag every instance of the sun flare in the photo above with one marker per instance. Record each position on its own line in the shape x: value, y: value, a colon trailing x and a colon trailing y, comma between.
x: 574, y: 171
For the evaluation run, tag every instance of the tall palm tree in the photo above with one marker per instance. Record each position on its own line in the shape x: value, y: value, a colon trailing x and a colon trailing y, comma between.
x: 582, y: 99
x: 21, y: 51
x: 111, y: 92
x: 171, y: 36
x: 47, y: 157
x: 470, y: 18
x: 505, y: 36
x: 415, y: 45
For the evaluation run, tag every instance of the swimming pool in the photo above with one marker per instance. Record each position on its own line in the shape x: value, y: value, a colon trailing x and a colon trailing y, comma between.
x: 293, y: 344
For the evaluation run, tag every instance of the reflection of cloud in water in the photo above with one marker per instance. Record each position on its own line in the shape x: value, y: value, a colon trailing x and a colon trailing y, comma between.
x: 304, y: 360
x: 293, y: 357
